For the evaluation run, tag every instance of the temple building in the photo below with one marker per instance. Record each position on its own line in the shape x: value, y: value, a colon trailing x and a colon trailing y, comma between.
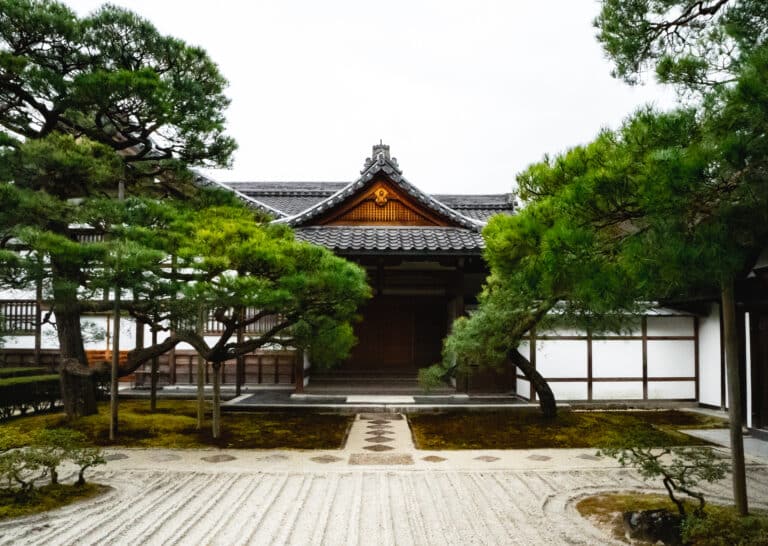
x: 423, y: 257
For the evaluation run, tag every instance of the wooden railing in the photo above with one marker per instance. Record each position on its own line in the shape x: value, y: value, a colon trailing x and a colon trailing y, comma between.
x: 18, y: 317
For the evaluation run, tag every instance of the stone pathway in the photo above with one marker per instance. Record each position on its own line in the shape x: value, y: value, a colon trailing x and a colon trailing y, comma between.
x: 379, y: 489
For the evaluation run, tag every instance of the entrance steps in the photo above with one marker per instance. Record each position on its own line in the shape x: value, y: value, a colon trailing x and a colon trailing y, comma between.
x: 369, y: 382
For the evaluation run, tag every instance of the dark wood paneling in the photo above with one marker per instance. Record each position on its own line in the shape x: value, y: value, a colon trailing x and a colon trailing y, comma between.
x: 399, y: 333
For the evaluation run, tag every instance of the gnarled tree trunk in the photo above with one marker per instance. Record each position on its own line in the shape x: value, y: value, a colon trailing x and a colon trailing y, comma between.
x: 78, y: 382
x: 540, y: 385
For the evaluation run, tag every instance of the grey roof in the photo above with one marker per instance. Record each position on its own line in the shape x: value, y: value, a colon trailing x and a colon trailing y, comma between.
x: 291, y: 198
x: 297, y: 203
x: 389, y: 167
x: 400, y: 239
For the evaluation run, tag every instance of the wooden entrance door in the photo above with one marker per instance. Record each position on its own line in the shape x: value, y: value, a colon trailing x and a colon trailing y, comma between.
x: 399, y: 334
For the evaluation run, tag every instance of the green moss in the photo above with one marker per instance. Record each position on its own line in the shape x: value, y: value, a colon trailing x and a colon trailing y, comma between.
x: 23, y: 380
x: 174, y: 426
x: 721, y: 526
x: 529, y: 430
x: 46, y: 498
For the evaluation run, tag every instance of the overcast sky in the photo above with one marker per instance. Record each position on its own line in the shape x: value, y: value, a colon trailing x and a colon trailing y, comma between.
x: 467, y: 94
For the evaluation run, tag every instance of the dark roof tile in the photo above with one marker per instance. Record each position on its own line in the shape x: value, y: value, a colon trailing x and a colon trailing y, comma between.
x: 393, y: 239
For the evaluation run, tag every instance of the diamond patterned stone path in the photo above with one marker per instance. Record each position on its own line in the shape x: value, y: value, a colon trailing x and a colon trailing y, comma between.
x: 325, y: 459
x: 115, y: 457
x: 218, y: 458
x: 378, y: 447
x: 434, y: 459
x: 378, y: 439
x: 486, y: 458
x: 376, y: 433
x: 588, y: 457
x: 535, y: 457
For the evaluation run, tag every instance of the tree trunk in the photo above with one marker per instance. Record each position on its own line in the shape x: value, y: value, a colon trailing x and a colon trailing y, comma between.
x: 735, y: 417
x: 113, y: 386
x: 216, y: 427
x: 200, y: 392
x: 78, y: 382
x: 546, y: 397
x: 201, y: 363
x: 153, y: 377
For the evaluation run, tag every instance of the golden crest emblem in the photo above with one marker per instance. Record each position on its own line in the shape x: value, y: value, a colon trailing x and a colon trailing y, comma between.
x: 381, y: 196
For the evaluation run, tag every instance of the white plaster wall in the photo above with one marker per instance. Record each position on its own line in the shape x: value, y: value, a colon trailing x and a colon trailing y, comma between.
x: 561, y: 358
x: 523, y: 388
x: 671, y: 389
x: 617, y: 390
x: 617, y: 358
x: 670, y: 326
x: 709, y: 357
x: 570, y: 390
x: 671, y: 358
x: 561, y: 331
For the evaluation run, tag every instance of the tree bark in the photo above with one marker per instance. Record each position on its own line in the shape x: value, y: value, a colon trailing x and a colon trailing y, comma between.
x: 735, y: 416
x: 153, y: 377
x: 543, y: 391
x: 113, y: 385
x: 78, y: 382
x: 216, y: 426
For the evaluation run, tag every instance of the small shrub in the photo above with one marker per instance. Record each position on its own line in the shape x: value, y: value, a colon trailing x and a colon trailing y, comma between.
x: 85, y: 458
x: 680, y: 468
x: 720, y: 527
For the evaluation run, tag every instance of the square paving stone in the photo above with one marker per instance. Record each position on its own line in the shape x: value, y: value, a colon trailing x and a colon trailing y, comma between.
x: 218, y: 458
x: 539, y: 457
x: 379, y: 439
x: 434, y: 459
x: 379, y: 458
x: 379, y: 447
x: 115, y: 457
x: 325, y: 459
x: 588, y: 457
x: 486, y: 458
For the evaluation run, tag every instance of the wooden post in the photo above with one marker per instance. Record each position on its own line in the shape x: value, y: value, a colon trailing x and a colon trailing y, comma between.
x: 299, y: 374
x: 115, y: 366
x: 735, y: 417
x: 200, y: 378
x: 216, y: 418
x: 240, y: 361
x: 38, y: 315
x: 153, y: 376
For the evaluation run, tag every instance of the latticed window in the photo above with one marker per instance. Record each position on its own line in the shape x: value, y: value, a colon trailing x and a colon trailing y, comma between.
x: 264, y: 324
x: 17, y: 317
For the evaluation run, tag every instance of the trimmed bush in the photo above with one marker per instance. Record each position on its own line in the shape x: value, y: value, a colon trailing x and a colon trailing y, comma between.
x: 22, y: 372
x: 34, y: 392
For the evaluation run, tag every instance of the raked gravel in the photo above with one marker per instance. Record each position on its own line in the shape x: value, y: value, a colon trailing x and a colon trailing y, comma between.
x: 266, y: 497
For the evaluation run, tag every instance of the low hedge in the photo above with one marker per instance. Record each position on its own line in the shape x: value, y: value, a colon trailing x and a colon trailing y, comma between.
x: 22, y: 371
x: 22, y: 394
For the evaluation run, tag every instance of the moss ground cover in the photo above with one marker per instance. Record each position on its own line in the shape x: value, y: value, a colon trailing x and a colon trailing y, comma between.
x: 174, y: 426
x: 46, y: 498
x: 720, y: 526
x: 528, y: 430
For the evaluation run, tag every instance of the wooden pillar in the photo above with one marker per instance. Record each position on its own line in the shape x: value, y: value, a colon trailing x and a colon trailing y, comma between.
x: 38, y: 317
x: 299, y: 373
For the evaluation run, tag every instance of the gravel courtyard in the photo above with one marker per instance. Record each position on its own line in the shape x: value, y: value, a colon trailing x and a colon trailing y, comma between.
x: 359, y: 495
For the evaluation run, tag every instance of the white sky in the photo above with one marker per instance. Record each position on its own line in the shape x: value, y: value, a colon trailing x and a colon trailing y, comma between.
x: 467, y: 94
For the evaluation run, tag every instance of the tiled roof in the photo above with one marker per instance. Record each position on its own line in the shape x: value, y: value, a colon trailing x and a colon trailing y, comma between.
x: 368, y: 239
x: 391, y: 170
x: 292, y: 198
x: 483, y: 214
